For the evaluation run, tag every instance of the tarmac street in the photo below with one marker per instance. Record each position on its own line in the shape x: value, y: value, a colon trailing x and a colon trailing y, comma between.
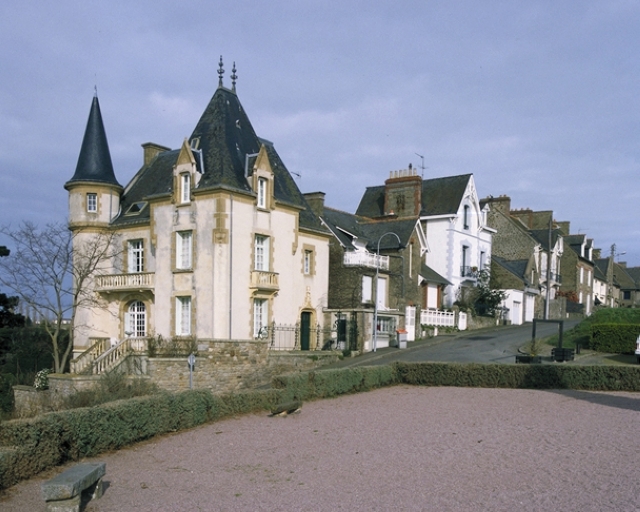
x: 498, y: 344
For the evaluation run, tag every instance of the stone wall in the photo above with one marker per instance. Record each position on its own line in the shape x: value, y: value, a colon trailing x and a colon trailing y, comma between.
x: 228, y: 366
x: 29, y: 401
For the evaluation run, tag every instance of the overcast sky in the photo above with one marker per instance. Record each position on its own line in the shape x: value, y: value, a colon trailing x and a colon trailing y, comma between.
x: 538, y: 99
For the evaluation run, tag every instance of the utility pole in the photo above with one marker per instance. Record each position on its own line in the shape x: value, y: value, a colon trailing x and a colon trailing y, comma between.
x: 548, y: 298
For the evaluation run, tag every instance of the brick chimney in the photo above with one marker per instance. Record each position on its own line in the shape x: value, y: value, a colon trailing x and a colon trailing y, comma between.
x: 316, y: 202
x: 151, y: 150
x: 501, y: 204
x: 403, y: 193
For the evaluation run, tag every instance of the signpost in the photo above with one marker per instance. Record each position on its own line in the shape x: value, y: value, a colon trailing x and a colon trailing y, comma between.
x: 191, y: 360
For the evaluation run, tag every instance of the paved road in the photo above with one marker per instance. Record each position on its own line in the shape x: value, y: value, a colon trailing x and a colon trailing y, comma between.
x: 495, y: 345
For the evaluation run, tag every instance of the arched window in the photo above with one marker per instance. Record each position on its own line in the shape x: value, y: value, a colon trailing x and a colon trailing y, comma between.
x: 136, y: 320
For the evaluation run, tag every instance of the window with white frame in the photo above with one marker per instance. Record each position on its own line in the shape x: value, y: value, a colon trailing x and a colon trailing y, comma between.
x: 183, y: 316
x: 92, y: 202
x: 260, y: 317
x: 381, y: 293
x: 386, y: 324
x: 581, y: 276
x: 307, y: 262
x: 184, y: 250
x: 135, y: 256
x: 261, y: 253
x: 135, y: 324
x: 185, y: 187
x: 367, y: 286
x: 262, y: 193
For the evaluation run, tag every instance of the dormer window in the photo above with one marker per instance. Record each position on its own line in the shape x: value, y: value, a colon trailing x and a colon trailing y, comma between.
x: 92, y: 202
x: 262, y: 193
x: 185, y: 188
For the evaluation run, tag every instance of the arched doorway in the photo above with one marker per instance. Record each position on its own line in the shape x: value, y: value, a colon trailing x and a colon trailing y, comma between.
x: 136, y: 320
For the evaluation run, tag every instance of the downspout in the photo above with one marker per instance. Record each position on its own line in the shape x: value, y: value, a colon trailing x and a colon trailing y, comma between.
x: 230, y: 263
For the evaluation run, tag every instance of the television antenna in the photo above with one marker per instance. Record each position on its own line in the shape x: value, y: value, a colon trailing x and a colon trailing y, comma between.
x: 422, y: 167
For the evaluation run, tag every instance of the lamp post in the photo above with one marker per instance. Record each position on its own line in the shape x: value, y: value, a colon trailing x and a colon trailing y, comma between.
x: 375, y: 304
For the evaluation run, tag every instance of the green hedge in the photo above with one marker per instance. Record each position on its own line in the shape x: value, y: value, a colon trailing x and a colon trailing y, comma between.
x: 614, y: 338
x: 33, y: 445
x: 600, y: 378
x: 329, y: 383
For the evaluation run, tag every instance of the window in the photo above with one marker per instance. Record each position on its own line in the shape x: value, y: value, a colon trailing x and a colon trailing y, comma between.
x: 185, y: 188
x: 183, y: 316
x: 92, y: 202
x: 482, y: 260
x: 465, y: 269
x: 581, y: 277
x: 261, y: 253
x: 308, y: 263
x: 262, y: 193
x: 466, y: 216
x: 259, y: 317
x: 381, y: 293
x: 135, y: 256
x: 626, y: 295
x: 367, y: 284
x: 136, y: 320
x: 184, y: 249
x: 386, y: 324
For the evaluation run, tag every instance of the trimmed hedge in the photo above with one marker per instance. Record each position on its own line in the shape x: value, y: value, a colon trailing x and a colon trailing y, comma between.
x: 614, y: 338
x: 329, y: 383
x: 33, y: 445
x: 600, y: 378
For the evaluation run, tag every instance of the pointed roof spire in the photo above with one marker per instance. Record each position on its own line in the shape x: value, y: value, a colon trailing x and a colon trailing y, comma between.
x: 220, y: 72
x: 234, y: 77
x: 94, y: 162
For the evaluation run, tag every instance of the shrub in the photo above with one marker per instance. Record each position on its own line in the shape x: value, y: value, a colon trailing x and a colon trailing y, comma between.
x: 110, y: 387
x: 615, y: 338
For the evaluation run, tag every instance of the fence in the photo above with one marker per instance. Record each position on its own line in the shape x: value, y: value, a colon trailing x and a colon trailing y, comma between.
x: 437, y: 317
x: 342, y: 335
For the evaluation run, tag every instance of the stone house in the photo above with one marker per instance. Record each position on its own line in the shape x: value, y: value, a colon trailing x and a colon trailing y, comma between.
x: 579, y: 282
x: 524, y: 245
x: 218, y: 243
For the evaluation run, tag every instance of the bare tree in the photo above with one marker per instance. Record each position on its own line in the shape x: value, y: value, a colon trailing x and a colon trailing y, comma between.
x: 52, y: 270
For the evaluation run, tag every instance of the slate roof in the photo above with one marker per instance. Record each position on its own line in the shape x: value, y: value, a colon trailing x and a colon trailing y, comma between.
x: 368, y: 231
x: 634, y: 273
x: 225, y: 137
x: 94, y: 163
x: 431, y: 276
x: 440, y: 196
x: 542, y: 236
x: 516, y: 267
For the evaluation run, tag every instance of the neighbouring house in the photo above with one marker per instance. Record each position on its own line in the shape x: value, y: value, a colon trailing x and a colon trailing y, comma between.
x: 577, y: 285
x: 525, y: 242
x: 405, y: 257
x: 377, y: 277
x: 629, y: 286
x: 458, y: 239
x: 608, y: 284
x: 218, y: 243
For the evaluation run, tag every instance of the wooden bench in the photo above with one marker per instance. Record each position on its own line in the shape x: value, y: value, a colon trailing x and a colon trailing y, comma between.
x: 63, y: 493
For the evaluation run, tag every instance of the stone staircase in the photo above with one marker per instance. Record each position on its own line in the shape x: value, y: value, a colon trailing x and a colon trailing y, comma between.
x: 103, y: 356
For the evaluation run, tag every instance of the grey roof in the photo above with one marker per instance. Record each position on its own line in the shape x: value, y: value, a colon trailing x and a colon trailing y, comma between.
x: 440, y: 196
x: 634, y: 273
x: 94, y: 162
x: 516, y: 267
x: 225, y: 137
x: 431, y: 276
x: 542, y: 236
x: 368, y: 231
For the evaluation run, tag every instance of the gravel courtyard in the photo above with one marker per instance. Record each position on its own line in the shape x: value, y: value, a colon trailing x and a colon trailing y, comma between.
x: 393, y: 449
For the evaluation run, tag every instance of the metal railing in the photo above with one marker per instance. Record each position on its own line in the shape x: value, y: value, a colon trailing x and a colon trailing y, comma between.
x: 365, y: 259
x: 471, y: 272
x: 288, y: 337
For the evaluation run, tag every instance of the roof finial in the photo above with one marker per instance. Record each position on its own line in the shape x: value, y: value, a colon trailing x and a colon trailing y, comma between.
x: 234, y: 77
x: 95, y: 91
x: 220, y: 72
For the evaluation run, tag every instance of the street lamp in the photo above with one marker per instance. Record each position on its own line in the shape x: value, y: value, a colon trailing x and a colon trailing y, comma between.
x: 375, y: 304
